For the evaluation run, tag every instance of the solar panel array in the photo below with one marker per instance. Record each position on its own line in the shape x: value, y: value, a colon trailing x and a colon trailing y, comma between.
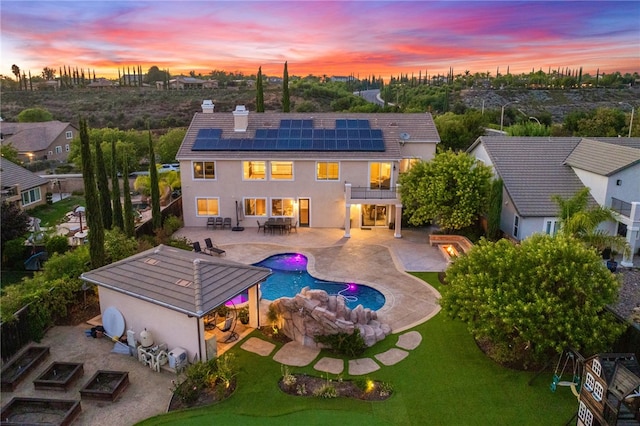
x: 297, y: 135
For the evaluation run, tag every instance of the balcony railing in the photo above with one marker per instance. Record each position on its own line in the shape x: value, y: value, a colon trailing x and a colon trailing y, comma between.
x: 621, y: 207
x: 365, y: 193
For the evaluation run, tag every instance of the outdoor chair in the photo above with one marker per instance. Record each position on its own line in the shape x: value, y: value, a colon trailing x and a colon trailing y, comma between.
x: 226, y: 222
x: 261, y: 226
x: 212, y: 248
x: 211, y: 222
x: 229, y: 325
x: 293, y: 226
x: 196, y: 247
x: 219, y: 222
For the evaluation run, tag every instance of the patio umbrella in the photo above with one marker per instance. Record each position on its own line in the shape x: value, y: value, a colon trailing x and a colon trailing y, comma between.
x: 239, y: 217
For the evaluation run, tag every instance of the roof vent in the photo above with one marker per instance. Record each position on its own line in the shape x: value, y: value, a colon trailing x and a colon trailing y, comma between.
x: 151, y: 261
x: 393, y: 124
x: 184, y: 283
x: 240, y: 119
x: 207, y: 106
x: 405, y: 136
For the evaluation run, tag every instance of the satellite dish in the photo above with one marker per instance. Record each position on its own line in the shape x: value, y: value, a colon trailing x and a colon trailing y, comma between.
x: 113, y: 322
x: 404, y: 136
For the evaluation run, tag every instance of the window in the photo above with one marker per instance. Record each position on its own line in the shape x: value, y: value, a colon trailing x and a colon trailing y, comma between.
x: 255, y: 206
x: 204, y: 170
x: 50, y: 154
x: 551, y: 226
x: 282, y: 170
x: 407, y: 163
x: 516, y: 225
x: 589, y: 382
x: 598, y: 391
x: 66, y: 147
x: 282, y: 207
x: 380, y: 175
x: 597, y: 367
x: 69, y: 134
x: 585, y: 415
x: 327, y: 171
x: 207, y: 207
x: 253, y: 170
x: 58, y: 149
x: 31, y: 196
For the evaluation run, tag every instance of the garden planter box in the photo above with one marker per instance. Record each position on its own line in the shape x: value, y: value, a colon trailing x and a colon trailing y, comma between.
x: 21, y: 365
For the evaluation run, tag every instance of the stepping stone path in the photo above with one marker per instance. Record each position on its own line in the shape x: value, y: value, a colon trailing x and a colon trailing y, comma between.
x: 409, y: 341
x: 330, y: 365
x: 358, y: 367
x: 258, y: 346
x: 296, y: 355
x: 392, y: 356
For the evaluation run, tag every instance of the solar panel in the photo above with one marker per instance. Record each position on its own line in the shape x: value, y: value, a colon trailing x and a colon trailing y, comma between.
x: 297, y: 135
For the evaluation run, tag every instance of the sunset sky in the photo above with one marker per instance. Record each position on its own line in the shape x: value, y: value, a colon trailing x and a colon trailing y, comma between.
x: 379, y: 38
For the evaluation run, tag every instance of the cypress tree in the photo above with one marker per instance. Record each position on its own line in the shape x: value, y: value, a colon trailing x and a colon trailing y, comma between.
x: 494, y: 211
x: 129, y: 225
x: 94, y: 215
x: 103, y: 188
x: 115, y: 191
x: 156, y: 219
x: 286, y: 102
x: 259, y: 92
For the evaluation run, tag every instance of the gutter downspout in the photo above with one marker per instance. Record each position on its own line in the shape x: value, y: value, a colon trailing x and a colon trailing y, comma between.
x: 197, y: 284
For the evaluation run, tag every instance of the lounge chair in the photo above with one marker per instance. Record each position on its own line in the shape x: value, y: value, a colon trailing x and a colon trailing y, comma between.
x: 226, y: 222
x: 212, y: 248
x: 196, y: 247
x: 211, y: 222
x: 229, y: 325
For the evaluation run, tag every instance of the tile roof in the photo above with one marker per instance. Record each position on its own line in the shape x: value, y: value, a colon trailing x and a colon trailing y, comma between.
x: 419, y: 127
x: 532, y: 170
x: 11, y: 174
x: 31, y: 136
x: 169, y: 277
x: 602, y: 158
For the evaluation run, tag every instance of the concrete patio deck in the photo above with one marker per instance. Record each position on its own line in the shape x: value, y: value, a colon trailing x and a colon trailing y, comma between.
x: 371, y: 257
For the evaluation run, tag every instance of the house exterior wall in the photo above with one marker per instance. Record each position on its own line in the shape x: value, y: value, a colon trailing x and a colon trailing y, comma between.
x: 327, y: 198
x: 629, y: 188
x: 166, y: 326
x: 61, y: 143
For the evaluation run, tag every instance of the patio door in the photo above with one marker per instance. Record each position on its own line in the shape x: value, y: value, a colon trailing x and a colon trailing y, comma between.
x: 303, y: 212
x: 374, y: 215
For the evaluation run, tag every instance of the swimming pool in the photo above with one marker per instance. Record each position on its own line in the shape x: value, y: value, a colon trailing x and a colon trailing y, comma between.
x: 290, y: 276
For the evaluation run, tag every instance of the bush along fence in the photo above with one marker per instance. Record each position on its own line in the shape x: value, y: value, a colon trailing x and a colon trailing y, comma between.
x: 173, y: 209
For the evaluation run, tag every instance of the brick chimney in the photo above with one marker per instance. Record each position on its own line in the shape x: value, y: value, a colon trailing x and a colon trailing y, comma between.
x: 240, y: 119
x: 207, y: 106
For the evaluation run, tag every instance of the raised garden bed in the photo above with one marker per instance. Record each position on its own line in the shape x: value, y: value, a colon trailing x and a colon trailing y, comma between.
x: 105, y: 385
x: 21, y: 365
x: 40, y: 411
x: 59, y: 376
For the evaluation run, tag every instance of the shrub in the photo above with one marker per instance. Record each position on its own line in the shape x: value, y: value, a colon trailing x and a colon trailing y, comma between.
x: 344, y: 343
x: 14, y: 254
x: 57, y: 244
x: 172, y: 224
x: 327, y: 391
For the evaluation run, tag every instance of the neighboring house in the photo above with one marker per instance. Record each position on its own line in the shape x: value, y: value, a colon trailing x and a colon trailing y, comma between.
x: 47, y: 140
x: 181, y: 83
x: 101, y: 83
x: 169, y: 292
x: 21, y: 186
x: 535, y: 168
x: 320, y: 169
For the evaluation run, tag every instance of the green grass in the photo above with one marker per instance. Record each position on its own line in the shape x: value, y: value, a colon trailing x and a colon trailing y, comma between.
x: 447, y: 380
x: 51, y: 214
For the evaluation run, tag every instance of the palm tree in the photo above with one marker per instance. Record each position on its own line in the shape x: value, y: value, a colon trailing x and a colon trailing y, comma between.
x: 581, y: 221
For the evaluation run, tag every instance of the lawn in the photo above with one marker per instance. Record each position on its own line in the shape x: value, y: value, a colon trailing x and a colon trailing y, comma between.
x: 447, y: 380
x: 52, y: 214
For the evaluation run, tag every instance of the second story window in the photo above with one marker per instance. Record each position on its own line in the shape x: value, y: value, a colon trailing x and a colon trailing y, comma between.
x: 282, y: 170
x: 66, y: 147
x: 380, y: 175
x: 58, y: 149
x: 69, y: 134
x: 327, y: 170
x: 253, y: 170
x: 204, y: 170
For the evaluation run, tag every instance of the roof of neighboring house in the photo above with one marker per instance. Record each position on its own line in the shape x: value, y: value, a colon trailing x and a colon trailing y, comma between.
x: 27, y: 137
x: 419, y: 128
x: 12, y: 174
x: 602, y: 158
x: 184, y: 281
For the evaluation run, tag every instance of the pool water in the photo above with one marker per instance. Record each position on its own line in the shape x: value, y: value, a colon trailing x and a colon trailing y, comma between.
x: 290, y: 276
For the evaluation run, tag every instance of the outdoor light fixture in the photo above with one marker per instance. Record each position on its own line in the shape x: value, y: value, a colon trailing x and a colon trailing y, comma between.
x: 502, y: 113
x: 633, y: 110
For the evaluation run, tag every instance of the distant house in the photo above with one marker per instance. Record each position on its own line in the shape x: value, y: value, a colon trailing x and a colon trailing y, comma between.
x: 535, y: 168
x: 21, y: 186
x: 182, y: 83
x: 100, y: 83
x: 47, y: 140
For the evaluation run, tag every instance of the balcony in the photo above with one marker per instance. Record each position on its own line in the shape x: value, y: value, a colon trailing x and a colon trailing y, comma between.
x: 621, y: 207
x: 361, y: 193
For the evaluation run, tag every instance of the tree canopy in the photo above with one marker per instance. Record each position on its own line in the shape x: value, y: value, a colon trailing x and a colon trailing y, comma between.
x: 10, y: 153
x: 15, y: 222
x: 458, y: 132
x: 532, y: 300
x: 34, y: 115
x: 168, y: 145
x: 450, y: 190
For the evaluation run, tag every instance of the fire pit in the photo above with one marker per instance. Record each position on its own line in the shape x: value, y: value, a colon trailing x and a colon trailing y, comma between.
x: 59, y: 376
x: 40, y: 411
x: 105, y: 385
x: 19, y: 367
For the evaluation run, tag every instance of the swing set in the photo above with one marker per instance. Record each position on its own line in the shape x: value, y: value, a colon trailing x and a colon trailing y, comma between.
x: 572, y: 363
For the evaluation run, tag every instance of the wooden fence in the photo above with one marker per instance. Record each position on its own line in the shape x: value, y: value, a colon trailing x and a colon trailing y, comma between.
x: 15, y: 335
x: 174, y: 208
